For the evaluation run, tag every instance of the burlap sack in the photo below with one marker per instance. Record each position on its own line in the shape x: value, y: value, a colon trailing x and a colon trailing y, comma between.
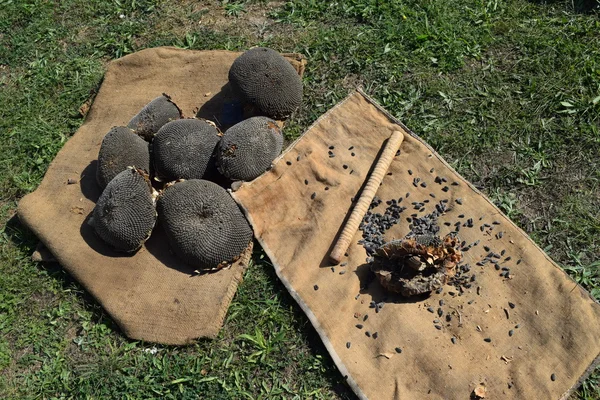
x: 151, y: 295
x: 558, y: 333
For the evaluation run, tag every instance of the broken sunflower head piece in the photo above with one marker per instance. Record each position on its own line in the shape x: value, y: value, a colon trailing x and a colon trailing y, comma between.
x: 416, y: 265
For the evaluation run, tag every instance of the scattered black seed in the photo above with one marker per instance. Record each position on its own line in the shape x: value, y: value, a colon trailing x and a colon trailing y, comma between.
x: 410, y: 172
x: 461, y: 215
x: 288, y: 162
x: 375, y: 334
x: 368, y: 333
x: 332, y: 269
x: 517, y: 326
x: 316, y: 287
x: 344, y: 264
x: 511, y: 332
x: 440, y: 312
x: 423, y: 184
x: 430, y: 309
x: 350, y: 148
x: 312, y: 196
x: 348, y: 344
x: 486, y: 248
x: 519, y: 261
x: 345, y: 166
x: 331, y: 147
x: 438, y: 327
x: 499, y: 235
x: 448, y: 317
x: 298, y: 158
x: 487, y: 339
x: 439, y: 290
x: 503, y: 252
x: 306, y: 181
x: 432, y: 195
x: 553, y: 377
x: 431, y: 170
x: 397, y: 153
x: 359, y: 326
x: 459, y: 201
x: 389, y: 174
x: 357, y: 296
x: 505, y: 269
x: 453, y: 340
x: 445, y: 189
x: 436, y: 321
x: 326, y: 187
x: 438, y: 180
x: 447, y: 223
x: 352, y: 154
x: 398, y: 350
x: 407, y: 194
x: 454, y: 183
x: 471, y: 301
x: 351, y: 171
x: 441, y: 302
x: 496, y: 223
x: 342, y: 272
x: 511, y: 305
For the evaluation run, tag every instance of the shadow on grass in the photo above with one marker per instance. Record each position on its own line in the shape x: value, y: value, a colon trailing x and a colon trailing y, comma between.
x: 579, y: 6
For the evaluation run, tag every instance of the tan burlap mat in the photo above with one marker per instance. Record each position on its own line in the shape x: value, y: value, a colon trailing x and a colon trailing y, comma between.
x: 152, y: 296
x: 554, y: 324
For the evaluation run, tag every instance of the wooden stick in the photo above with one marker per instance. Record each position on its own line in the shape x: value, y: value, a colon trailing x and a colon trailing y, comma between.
x: 362, y: 205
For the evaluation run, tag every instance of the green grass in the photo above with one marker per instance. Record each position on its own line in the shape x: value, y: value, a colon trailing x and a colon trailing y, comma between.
x: 507, y: 91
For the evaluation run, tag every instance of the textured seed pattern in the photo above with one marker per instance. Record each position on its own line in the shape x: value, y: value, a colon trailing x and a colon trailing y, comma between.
x: 247, y: 149
x: 203, y: 223
x: 153, y: 116
x: 268, y: 81
x: 124, y: 214
x: 121, y: 148
x: 183, y: 149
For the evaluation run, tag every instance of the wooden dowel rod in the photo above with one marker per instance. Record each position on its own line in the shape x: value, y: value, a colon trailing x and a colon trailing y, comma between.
x: 366, y: 197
